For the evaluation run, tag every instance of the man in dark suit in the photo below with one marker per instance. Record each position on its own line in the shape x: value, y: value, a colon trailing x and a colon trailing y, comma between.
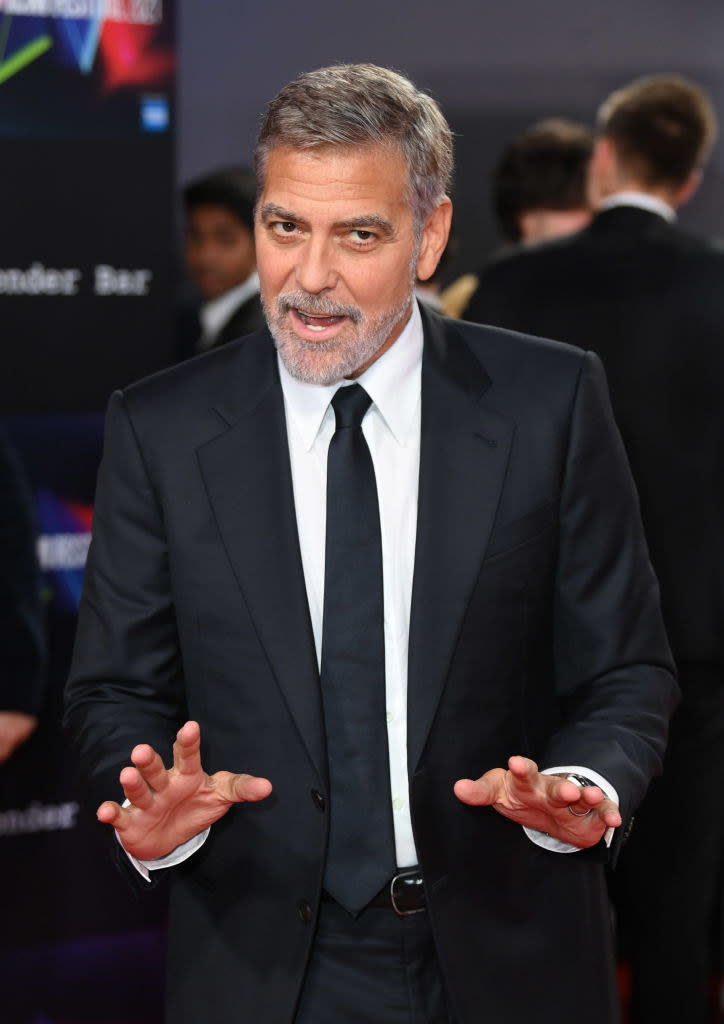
x: 538, y: 191
x: 539, y: 182
x: 517, y: 706
x: 220, y: 257
x: 22, y: 641
x: 647, y: 297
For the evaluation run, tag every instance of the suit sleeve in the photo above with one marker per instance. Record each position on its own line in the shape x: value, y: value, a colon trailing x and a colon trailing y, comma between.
x: 614, y: 673
x: 126, y: 682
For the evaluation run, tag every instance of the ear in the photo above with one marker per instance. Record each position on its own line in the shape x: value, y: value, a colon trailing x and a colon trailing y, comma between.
x: 603, y: 156
x: 601, y: 170
x: 434, y: 239
x: 684, y: 193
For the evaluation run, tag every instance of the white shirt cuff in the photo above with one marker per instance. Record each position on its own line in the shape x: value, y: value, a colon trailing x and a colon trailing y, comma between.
x: 176, y: 856
x: 557, y: 845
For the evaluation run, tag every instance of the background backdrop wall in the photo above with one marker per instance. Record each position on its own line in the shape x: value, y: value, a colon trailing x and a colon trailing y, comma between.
x: 495, y: 67
x: 87, y: 291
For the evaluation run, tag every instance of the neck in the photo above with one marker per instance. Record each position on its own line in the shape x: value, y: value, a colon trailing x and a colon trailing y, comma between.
x: 541, y: 225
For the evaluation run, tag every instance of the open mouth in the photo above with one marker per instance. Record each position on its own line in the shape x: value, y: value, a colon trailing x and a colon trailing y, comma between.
x: 318, y: 323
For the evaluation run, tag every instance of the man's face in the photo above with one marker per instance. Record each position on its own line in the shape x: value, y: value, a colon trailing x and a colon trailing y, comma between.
x: 336, y: 256
x: 219, y: 250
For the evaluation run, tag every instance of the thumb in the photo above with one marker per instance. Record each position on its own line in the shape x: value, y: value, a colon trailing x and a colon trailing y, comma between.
x: 480, y: 792
x: 249, y: 788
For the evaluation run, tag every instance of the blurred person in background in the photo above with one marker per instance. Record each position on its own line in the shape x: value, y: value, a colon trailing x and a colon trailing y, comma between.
x: 539, y: 183
x: 539, y: 191
x: 21, y: 622
x: 220, y: 257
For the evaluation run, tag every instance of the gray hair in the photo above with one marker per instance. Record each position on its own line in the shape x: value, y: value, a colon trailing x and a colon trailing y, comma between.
x: 349, y: 105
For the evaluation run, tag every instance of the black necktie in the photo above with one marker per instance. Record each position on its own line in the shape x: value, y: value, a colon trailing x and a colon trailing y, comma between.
x: 361, y: 852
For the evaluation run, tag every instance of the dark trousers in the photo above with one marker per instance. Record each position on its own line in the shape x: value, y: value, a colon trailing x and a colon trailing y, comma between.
x: 665, y: 884
x: 377, y: 968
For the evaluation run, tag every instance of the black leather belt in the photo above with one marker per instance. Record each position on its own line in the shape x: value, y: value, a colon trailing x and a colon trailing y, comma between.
x: 405, y: 893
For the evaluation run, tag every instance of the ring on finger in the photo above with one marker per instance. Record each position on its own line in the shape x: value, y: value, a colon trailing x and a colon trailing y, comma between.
x: 580, y: 814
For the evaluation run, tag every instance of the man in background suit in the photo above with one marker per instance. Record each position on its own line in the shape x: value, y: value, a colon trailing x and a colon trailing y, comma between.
x: 539, y: 183
x: 22, y: 641
x: 648, y: 297
x: 220, y: 257
x: 538, y: 192
x: 524, y: 678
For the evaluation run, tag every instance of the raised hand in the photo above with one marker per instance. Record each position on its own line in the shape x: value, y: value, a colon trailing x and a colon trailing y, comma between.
x: 15, y: 728
x: 549, y: 803
x: 169, y: 806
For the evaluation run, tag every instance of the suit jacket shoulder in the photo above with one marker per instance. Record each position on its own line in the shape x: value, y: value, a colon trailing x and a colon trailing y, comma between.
x: 215, y: 386
x: 624, y: 253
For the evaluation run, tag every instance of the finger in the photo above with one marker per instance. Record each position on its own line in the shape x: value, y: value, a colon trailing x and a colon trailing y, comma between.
x: 187, y: 749
x: 480, y: 792
x: 136, y: 789
x: 150, y: 764
x: 241, y: 788
x: 252, y: 788
x: 525, y: 773
x: 609, y: 813
x: 591, y: 796
x: 562, y: 793
x: 110, y: 813
x: 522, y: 767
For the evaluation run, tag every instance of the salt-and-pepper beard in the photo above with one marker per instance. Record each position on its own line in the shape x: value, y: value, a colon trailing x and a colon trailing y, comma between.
x: 329, y: 361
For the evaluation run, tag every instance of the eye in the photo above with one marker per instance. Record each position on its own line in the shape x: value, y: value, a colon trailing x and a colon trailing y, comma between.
x: 283, y: 227
x: 361, y: 235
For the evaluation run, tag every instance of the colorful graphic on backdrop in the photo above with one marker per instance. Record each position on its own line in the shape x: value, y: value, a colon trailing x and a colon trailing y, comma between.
x: 103, y: 55
x: 62, y: 546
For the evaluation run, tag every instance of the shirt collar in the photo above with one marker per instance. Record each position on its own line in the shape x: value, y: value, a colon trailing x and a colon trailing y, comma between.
x: 643, y: 200
x: 214, y: 314
x: 392, y: 382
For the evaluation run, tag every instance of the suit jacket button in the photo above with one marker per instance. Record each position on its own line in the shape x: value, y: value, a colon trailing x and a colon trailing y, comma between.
x: 305, y: 911
x: 318, y: 799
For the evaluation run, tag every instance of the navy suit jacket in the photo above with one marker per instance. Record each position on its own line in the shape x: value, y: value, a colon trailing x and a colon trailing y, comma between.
x: 535, y: 629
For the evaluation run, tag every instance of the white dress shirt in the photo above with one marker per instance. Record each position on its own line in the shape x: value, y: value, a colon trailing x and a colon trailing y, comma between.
x: 392, y: 430
x: 641, y: 200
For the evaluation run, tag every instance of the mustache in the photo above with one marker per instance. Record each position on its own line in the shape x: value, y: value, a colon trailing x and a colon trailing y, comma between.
x: 316, y: 305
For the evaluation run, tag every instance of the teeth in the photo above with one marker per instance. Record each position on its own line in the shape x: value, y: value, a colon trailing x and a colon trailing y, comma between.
x: 317, y: 323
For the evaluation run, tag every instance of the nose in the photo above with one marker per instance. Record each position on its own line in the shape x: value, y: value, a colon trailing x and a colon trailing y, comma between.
x: 315, y: 272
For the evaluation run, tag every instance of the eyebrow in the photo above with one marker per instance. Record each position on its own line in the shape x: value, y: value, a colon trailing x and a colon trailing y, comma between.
x: 272, y: 210
x: 368, y: 220
x: 371, y: 220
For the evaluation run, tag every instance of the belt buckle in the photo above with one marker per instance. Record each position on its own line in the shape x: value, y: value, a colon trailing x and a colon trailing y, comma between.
x: 404, y: 884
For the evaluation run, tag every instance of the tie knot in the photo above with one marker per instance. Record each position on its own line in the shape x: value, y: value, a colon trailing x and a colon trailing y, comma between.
x: 350, y: 405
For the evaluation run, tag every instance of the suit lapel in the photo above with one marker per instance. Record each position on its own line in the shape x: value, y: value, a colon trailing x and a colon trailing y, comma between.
x: 247, y: 474
x: 463, y: 458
